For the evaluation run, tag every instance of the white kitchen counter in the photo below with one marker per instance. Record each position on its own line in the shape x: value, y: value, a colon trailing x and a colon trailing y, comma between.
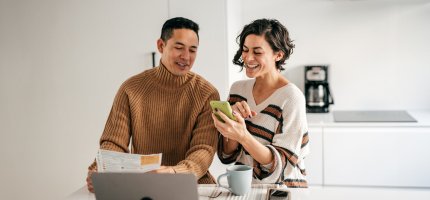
x: 315, y: 192
x: 368, y: 154
x: 327, y: 120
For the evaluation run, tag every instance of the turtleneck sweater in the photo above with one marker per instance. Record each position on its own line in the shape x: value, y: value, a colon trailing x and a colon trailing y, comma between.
x: 159, y: 112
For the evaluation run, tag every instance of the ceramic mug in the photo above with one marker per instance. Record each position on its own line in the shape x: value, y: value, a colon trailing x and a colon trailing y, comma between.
x: 239, y: 178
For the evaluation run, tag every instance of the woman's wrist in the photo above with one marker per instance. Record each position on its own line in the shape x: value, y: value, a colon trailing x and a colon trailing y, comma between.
x: 246, y: 136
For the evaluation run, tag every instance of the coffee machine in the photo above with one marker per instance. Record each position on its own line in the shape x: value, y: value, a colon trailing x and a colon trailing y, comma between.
x: 317, y: 90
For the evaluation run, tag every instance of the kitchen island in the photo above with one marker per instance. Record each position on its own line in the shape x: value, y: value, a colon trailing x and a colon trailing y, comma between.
x: 368, y: 154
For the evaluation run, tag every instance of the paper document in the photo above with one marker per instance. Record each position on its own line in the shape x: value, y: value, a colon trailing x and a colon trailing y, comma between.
x: 112, y: 161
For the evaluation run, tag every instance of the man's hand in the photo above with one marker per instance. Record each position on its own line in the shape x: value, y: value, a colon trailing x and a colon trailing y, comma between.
x: 90, y: 181
x: 164, y: 170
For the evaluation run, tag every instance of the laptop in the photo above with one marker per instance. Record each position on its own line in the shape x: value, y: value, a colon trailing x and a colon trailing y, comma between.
x: 144, y: 186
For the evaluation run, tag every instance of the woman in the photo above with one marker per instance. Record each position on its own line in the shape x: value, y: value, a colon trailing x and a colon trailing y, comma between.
x: 270, y: 131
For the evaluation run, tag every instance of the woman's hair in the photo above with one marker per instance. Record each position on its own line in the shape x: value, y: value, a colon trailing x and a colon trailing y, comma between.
x: 275, y: 34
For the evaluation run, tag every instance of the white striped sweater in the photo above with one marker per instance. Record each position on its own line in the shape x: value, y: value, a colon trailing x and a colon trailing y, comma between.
x: 280, y: 125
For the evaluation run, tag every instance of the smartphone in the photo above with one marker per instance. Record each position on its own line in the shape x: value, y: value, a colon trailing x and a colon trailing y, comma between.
x: 224, y: 107
x: 278, y: 194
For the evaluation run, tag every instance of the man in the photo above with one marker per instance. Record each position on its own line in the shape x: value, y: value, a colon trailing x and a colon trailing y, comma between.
x: 166, y: 109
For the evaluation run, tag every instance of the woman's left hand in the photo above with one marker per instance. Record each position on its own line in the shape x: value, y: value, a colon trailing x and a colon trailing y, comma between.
x: 235, y: 130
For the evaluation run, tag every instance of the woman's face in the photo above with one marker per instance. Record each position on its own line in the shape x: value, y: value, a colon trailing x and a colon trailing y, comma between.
x: 258, y: 56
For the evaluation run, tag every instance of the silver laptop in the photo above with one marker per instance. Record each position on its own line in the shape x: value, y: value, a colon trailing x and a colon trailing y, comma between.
x: 144, y: 186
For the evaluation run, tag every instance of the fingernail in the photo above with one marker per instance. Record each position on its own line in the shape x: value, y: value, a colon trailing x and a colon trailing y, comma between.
x: 234, y: 112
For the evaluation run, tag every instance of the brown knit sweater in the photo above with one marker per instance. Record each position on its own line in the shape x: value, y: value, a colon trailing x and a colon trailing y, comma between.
x: 164, y: 113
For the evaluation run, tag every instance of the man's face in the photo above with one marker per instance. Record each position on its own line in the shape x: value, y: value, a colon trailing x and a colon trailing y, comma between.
x: 179, y: 52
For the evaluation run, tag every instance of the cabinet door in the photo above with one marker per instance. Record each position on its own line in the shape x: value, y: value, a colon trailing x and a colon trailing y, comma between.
x: 313, y: 162
x: 377, y: 156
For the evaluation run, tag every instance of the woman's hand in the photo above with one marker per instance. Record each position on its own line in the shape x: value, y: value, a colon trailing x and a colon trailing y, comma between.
x: 244, y: 110
x: 235, y: 130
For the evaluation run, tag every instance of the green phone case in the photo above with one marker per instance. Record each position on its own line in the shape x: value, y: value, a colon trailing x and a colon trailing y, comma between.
x: 224, y: 107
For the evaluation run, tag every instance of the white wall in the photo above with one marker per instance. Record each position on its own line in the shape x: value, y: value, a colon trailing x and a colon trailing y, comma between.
x: 378, y: 50
x: 234, y: 27
x: 211, y: 16
x: 61, y: 63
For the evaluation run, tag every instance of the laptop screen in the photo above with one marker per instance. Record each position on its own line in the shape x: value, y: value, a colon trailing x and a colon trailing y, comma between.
x: 144, y: 186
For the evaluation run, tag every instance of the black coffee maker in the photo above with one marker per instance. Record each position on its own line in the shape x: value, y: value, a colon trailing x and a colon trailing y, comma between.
x: 317, y: 90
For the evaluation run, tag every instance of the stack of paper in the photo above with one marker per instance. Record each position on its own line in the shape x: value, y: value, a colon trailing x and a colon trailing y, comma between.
x: 112, y: 161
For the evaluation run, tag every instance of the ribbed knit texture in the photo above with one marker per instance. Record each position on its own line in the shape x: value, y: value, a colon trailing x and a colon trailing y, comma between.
x: 280, y: 125
x: 164, y: 113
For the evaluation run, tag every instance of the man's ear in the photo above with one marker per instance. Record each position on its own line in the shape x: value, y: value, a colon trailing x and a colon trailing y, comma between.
x: 160, y: 45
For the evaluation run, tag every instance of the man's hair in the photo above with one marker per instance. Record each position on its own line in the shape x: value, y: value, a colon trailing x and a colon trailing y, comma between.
x: 275, y: 34
x: 177, y: 23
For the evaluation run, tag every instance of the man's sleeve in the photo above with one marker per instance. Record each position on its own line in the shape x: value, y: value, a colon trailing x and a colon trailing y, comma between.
x: 203, y: 143
x: 116, y: 135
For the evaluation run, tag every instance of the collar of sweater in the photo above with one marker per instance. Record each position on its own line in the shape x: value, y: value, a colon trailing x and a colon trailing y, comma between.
x: 169, y: 80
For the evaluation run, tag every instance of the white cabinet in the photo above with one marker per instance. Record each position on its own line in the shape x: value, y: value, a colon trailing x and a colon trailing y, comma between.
x: 314, y: 161
x: 377, y: 156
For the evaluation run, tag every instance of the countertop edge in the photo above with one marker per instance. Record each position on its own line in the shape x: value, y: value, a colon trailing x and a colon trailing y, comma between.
x: 327, y: 120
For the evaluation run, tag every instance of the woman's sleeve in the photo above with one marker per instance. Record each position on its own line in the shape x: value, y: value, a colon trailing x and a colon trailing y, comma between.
x: 224, y: 158
x: 288, y: 142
